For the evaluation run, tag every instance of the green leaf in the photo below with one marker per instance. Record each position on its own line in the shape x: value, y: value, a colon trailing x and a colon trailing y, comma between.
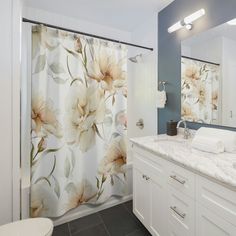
x: 112, y: 181
x: 100, y: 193
x: 103, y: 178
x: 43, y: 178
x: 97, y: 131
x: 53, y: 168
x: 113, y: 100
x: 50, y: 151
x: 67, y: 168
x: 32, y: 154
x: 98, y: 182
x: 57, y: 68
x: 76, y: 55
x: 73, y: 160
x: 59, y: 80
x: 85, y: 58
x: 41, y: 62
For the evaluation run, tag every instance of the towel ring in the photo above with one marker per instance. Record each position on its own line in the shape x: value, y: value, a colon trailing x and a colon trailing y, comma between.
x: 163, y: 83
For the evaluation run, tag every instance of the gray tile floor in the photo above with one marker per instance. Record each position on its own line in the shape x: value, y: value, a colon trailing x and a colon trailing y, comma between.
x: 115, y: 221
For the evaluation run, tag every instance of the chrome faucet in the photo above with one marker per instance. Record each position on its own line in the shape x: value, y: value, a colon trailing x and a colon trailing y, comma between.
x: 186, y: 130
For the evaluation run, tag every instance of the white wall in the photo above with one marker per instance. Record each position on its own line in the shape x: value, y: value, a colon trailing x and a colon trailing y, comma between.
x: 75, y: 24
x: 6, y: 112
x: 10, y: 110
x: 143, y: 80
x: 228, y: 82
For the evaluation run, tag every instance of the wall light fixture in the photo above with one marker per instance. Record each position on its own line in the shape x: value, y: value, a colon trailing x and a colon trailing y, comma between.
x: 232, y: 22
x: 187, y: 22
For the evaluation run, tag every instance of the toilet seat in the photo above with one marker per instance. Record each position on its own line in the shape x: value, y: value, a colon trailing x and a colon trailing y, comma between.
x: 28, y: 227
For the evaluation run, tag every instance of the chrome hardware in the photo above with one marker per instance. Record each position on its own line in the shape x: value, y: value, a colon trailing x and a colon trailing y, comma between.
x: 146, y: 177
x: 174, y: 177
x: 187, y: 133
x: 175, y: 209
x: 163, y: 83
x: 140, y: 123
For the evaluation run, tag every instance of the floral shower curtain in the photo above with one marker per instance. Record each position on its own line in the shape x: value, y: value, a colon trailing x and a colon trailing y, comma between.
x: 78, y: 135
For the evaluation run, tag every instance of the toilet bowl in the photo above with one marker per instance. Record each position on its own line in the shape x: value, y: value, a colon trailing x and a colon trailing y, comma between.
x: 28, y: 227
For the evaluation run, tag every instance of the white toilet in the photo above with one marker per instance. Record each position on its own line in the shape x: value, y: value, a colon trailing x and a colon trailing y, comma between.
x: 28, y: 227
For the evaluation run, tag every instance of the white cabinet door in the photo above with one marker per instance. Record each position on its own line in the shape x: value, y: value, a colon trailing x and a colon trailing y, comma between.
x: 158, y: 212
x: 210, y: 224
x: 140, y: 196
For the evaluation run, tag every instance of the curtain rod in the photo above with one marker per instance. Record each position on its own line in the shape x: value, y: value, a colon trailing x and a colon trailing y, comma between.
x: 86, y: 34
x: 196, y: 59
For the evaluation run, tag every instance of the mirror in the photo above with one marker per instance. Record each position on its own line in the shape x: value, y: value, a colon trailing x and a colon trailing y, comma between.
x: 208, y: 76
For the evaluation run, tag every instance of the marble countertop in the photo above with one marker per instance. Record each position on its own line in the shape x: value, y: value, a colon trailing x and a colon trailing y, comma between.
x: 220, y: 167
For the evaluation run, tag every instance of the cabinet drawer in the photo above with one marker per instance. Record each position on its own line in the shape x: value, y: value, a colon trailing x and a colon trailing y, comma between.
x: 181, y: 213
x: 150, y: 170
x: 181, y: 179
x: 208, y: 223
x: 217, y: 198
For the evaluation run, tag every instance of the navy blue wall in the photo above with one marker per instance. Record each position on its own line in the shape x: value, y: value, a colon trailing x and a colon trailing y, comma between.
x: 169, y: 47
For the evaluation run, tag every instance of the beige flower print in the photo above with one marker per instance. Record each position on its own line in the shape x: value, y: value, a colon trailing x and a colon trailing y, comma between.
x: 201, y: 93
x: 214, y: 100
x: 192, y: 72
x: 115, y: 158
x: 42, y: 200
x: 80, y: 193
x: 108, y: 70
x: 44, y: 117
x: 85, y: 110
x: 187, y: 113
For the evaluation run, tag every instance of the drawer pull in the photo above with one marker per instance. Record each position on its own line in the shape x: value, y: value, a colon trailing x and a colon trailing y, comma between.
x: 174, y: 208
x: 174, y: 177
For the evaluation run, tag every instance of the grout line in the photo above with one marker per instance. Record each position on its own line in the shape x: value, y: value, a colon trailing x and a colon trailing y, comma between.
x: 68, y: 225
x: 86, y: 228
x: 108, y: 233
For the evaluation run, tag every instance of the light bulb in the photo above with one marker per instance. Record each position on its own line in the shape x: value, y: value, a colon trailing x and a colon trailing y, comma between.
x: 191, y: 18
x: 175, y: 27
x: 232, y: 22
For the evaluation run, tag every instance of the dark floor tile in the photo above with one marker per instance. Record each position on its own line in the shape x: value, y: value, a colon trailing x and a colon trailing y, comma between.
x: 61, y: 230
x: 98, y: 230
x: 84, y: 223
x: 118, y: 221
x: 140, y: 232
x: 129, y: 206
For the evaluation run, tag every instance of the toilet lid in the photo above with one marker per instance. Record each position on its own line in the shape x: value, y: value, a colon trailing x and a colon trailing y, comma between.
x: 28, y: 227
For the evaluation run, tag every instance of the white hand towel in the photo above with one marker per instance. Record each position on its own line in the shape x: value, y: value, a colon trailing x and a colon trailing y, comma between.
x: 227, y: 137
x: 208, y: 144
x: 161, y: 99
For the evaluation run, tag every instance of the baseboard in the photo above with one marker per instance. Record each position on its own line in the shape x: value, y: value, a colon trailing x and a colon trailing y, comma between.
x: 86, y: 210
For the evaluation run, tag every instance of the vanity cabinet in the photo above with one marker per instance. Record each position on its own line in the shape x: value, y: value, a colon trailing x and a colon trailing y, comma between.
x: 173, y: 201
x: 149, y: 198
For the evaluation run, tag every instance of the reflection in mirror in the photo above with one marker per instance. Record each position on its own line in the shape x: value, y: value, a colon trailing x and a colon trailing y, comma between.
x: 208, y: 76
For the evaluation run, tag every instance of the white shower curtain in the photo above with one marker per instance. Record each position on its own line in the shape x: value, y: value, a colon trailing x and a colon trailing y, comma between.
x: 78, y: 134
